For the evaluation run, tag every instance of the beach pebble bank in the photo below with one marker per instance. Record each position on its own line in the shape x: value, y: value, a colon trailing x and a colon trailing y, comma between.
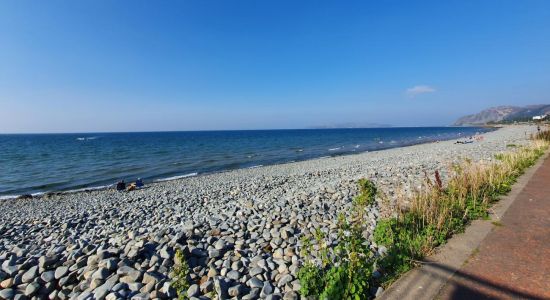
x: 240, y: 231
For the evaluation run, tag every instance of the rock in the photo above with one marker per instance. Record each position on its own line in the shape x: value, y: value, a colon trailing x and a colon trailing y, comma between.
x: 207, y: 287
x: 48, y: 276
x: 30, y: 274
x: 102, y: 291
x: 255, y: 271
x: 235, y: 291
x: 129, y: 272
x: 278, y: 254
x: 7, y: 283
x: 214, y: 253
x: 221, y: 288
x: 164, y: 253
x: 32, y: 288
x: 219, y: 245
x: 193, y: 290
x: 149, y: 277
x: 234, y: 275
x: 292, y: 295
x: 267, y: 289
x: 255, y: 283
x: 101, y: 273
x: 61, y: 271
x: 285, y: 279
x: 7, y: 294
x: 141, y: 296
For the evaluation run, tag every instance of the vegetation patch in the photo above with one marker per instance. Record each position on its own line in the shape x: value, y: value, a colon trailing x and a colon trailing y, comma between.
x: 346, y: 273
x: 437, y: 211
x: 179, y: 274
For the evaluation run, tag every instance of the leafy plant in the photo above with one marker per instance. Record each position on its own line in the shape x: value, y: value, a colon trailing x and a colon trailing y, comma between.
x: 349, y: 275
x: 179, y: 274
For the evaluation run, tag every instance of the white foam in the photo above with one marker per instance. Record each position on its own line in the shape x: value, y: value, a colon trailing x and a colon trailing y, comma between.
x: 177, y: 177
x: 256, y: 166
x: 334, y: 149
x: 87, y: 138
x: 101, y: 187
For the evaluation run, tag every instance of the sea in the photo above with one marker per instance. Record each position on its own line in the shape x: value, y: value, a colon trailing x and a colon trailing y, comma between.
x: 40, y: 163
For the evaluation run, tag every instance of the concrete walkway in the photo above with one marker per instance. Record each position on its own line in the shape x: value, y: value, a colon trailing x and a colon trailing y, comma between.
x: 507, y: 257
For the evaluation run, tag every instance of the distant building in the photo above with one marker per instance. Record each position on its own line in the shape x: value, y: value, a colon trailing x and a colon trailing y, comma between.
x: 538, y: 118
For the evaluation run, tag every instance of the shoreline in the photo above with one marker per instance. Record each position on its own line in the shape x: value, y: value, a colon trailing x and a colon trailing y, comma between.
x: 154, y: 180
x: 241, y: 232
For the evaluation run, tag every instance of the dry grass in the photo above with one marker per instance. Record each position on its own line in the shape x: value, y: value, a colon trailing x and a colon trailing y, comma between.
x: 438, y: 211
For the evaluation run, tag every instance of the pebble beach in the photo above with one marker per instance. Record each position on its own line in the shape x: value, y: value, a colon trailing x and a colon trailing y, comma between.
x: 240, y: 231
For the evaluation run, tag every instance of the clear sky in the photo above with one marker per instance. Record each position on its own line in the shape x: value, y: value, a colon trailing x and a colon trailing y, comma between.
x: 73, y: 66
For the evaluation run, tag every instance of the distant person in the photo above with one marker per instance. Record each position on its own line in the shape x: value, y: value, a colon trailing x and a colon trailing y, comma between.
x: 121, y: 185
x: 131, y: 187
x: 139, y: 183
x: 538, y: 128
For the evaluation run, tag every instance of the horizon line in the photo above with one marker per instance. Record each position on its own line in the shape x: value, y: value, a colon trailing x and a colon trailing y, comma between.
x: 214, y: 130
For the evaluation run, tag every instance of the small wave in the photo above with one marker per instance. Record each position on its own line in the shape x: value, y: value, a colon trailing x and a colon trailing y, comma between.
x: 177, y: 177
x: 87, y: 138
x: 93, y: 188
x: 381, y: 142
x: 254, y: 167
x: 357, y: 146
x: 334, y: 149
x: 300, y: 150
x: 11, y: 197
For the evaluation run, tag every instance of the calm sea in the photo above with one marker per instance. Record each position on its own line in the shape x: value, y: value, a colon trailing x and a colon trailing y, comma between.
x: 37, y: 163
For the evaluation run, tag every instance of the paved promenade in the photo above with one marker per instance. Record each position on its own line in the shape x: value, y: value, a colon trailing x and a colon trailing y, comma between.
x: 513, y: 261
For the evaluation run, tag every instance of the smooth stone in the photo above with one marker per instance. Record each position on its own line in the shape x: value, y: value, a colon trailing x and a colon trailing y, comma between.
x: 235, y: 291
x: 48, y: 276
x: 255, y: 283
x: 30, y: 274
x: 61, y: 271
x: 32, y: 288
x: 193, y: 290
x: 234, y: 275
x: 267, y: 289
x: 7, y: 294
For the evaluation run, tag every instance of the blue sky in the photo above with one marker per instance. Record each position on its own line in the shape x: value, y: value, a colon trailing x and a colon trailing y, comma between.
x: 74, y: 66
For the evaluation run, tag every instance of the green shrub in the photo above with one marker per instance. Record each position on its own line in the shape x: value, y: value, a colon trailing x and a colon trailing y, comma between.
x: 348, y: 274
x: 179, y: 274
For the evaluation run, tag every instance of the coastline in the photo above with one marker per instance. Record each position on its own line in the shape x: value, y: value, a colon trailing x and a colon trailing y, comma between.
x: 240, y: 231
x: 155, y: 180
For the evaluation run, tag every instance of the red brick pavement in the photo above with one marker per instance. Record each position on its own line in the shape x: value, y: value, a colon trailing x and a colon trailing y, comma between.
x: 513, y: 261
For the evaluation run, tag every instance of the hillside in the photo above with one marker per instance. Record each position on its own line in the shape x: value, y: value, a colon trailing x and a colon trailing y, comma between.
x: 503, y: 114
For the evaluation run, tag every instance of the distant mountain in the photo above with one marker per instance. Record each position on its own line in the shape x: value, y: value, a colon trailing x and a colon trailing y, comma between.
x: 504, y: 114
x: 351, y: 125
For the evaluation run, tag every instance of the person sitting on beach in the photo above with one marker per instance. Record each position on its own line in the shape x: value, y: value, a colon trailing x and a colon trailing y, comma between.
x: 139, y: 183
x: 120, y: 186
x: 131, y: 187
